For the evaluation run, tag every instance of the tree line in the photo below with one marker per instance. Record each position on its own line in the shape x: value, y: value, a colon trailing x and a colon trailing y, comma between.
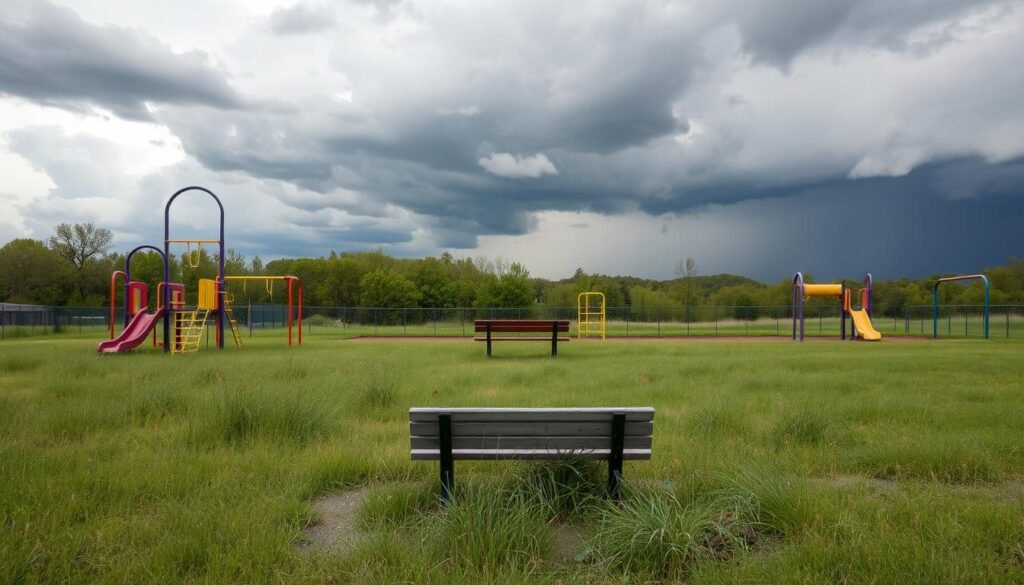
x: 73, y: 268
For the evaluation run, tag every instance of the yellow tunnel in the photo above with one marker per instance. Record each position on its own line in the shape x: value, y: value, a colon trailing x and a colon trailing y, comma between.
x: 823, y: 290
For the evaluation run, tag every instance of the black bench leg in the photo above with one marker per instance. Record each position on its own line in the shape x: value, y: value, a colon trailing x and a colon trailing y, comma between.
x: 615, y: 457
x: 554, y: 339
x: 488, y: 340
x: 444, y: 423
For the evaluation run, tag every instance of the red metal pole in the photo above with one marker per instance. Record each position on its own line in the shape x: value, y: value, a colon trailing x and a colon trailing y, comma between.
x: 113, y: 295
x: 300, y: 310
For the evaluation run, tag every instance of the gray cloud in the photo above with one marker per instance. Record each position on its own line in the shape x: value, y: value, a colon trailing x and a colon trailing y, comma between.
x: 301, y: 18
x: 776, y: 32
x: 382, y: 131
x: 55, y: 57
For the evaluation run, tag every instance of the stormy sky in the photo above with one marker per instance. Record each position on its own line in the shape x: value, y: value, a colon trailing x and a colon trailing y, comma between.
x: 760, y: 138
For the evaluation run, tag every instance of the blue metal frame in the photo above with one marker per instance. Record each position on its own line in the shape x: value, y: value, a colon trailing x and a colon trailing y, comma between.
x: 935, y: 299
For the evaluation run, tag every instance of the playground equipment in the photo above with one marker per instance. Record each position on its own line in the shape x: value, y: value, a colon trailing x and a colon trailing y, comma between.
x: 183, y: 324
x: 294, y: 294
x: 138, y: 321
x: 590, y: 315
x: 935, y: 299
x: 861, y: 326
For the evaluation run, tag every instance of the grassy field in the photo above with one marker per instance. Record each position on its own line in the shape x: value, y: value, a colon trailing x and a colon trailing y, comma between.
x: 773, y: 462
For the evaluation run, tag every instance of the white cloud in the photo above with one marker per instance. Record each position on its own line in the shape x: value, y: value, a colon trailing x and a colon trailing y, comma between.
x: 510, y: 166
x: 461, y: 111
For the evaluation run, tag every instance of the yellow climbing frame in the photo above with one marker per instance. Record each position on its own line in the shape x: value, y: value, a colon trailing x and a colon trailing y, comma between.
x: 590, y: 315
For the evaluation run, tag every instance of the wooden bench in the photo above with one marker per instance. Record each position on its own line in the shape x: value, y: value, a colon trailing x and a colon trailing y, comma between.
x: 450, y: 434
x: 539, y: 326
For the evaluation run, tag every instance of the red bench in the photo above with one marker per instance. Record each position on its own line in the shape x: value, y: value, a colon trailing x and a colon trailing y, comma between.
x: 545, y: 330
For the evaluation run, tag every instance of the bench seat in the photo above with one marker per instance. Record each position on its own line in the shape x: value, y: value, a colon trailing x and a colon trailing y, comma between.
x: 549, y: 327
x: 495, y: 434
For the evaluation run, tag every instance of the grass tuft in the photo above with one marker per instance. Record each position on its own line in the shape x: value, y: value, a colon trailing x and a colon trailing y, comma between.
x: 489, y: 526
x: 237, y: 416
x: 19, y: 364
x: 379, y: 388
x: 566, y: 489
x: 806, y: 427
x: 396, y: 505
x: 652, y: 534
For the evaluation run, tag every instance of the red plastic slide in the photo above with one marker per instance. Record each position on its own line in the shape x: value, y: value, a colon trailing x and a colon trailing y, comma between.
x: 134, y: 334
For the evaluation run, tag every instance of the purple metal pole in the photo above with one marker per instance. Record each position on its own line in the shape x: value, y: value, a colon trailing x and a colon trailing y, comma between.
x: 128, y: 279
x: 167, y: 254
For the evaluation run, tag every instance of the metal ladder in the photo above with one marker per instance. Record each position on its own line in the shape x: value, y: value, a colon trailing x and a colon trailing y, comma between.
x: 192, y: 326
x: 231, y: 321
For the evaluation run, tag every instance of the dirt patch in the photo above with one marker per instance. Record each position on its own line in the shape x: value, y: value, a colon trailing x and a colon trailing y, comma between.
x: 489, y: 392
x: 570, y: 542
x: 336, y: 528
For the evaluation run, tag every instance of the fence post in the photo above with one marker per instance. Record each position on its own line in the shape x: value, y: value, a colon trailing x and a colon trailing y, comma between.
x: 375, y: 311
x: 405, y: 324
x: 1007, y: 322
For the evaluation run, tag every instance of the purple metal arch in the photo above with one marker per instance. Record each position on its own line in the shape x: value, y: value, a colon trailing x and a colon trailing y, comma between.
x: 128, y: 273
x: 869, y: 284
x: 167, y: 253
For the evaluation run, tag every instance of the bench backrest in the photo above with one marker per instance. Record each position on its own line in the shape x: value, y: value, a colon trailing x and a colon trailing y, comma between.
x: 530, y: 433
x: 521, y: 325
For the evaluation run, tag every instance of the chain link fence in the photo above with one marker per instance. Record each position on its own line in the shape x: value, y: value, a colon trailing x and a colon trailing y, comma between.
x: 726, y: 321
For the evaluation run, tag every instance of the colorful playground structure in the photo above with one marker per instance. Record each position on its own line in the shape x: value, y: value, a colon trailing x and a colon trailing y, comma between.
x: 860, y: 319
x: 590, y: 315
x: 184, y: 325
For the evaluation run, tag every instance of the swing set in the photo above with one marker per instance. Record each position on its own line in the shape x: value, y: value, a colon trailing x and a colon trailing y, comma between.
x: 294, y: 297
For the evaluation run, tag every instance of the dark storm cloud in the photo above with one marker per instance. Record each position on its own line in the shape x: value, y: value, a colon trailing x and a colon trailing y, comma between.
x: 776, y: 32
x: 301, y: 18
x: 632, y: 107
x: 55, y: 57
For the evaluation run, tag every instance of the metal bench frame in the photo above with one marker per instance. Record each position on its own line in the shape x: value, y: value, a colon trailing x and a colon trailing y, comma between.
x: 491, y: 326
x: 450, y: 434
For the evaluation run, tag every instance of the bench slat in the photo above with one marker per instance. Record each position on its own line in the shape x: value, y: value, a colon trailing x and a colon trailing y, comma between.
x: 488, y: 415
x: 491, y: 442
x: 524, y: 454
x: 524, y: 325
x: 532, y: 429
x: 518, y: 321
x: 495, y: 330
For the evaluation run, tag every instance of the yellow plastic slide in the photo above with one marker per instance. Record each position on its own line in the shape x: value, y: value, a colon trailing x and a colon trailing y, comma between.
x: 863, y: 323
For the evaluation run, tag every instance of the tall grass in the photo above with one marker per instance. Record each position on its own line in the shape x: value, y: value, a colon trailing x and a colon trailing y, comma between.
x: 772, y: 462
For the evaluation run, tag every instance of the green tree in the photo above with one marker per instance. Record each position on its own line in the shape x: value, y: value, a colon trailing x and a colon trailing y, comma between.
x: 32, y: 273
x: 436, y: 288
x: 80, y: 242
x: 511, y: 289
x: 387, y: 288
x: 82, y: 245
